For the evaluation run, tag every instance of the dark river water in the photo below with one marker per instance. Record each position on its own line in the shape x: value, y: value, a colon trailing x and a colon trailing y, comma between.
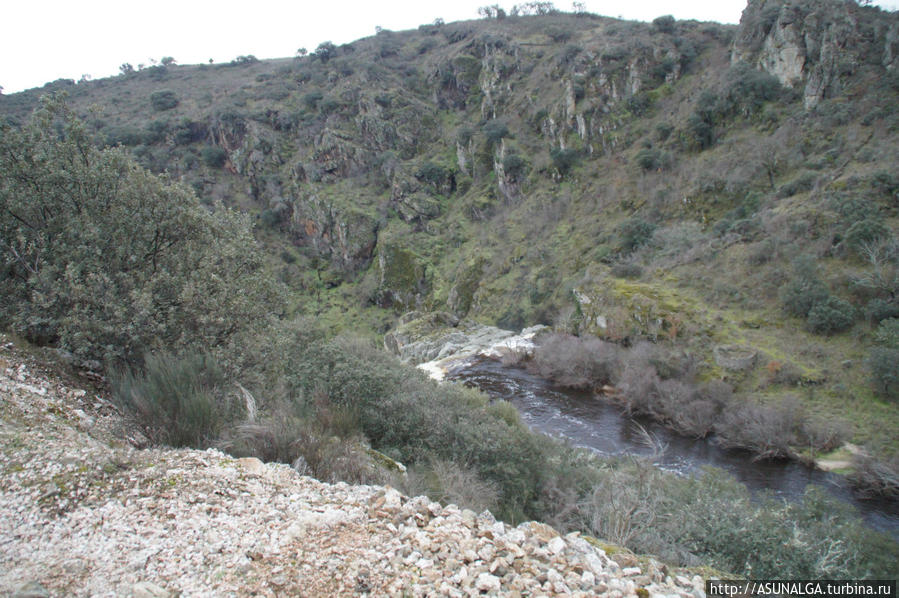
x: 593, y: 423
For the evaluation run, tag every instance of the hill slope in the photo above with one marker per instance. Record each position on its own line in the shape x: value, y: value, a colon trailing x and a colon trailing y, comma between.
x: 697, y: 185
x: 84, y: 513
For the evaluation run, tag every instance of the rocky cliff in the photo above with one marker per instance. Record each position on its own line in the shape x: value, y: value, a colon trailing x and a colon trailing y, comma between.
x: 815, y: 47
x: 86, y: 513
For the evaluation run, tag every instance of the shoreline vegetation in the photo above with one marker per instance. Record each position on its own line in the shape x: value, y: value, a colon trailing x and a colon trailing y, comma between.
x: 630, y: 377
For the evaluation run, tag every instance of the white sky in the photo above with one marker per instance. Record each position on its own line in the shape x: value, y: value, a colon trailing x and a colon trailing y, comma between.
x: 41, y: 41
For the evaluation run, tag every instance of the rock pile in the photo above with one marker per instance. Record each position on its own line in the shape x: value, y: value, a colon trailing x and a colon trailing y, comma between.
x: 82, y: 514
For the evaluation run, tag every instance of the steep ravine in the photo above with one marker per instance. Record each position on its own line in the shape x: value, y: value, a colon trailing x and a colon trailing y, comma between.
x: 83, y: 512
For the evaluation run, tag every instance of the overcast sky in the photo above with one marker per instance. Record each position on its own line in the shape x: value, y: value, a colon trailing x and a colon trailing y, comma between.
x: 44, y: 41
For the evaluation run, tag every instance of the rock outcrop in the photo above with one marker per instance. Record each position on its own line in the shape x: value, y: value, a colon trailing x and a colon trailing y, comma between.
x: 814, y: 46
x: 84, y: 513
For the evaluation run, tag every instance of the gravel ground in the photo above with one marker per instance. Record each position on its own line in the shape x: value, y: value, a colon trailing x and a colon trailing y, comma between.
x: 85, y: 512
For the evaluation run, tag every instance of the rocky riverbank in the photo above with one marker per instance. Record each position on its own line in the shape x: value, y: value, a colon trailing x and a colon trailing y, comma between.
x: 85, y: 512
x: 436, y: 342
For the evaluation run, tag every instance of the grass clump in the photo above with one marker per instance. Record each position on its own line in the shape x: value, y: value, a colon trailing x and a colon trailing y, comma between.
x: 178, y: 400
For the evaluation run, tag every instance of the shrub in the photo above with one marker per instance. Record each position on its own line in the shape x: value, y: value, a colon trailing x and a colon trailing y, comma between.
x: 874, y: 478
x: 830, y: 316
x: 804, y: 182
x: 748, y: 89
x: 638, y: 103
x: 188, y: 131
x: 634, y: 233
x: 864, y: 233
x: 128, y: 136
x: 627, y: 270
x: 156, y: 131
x: 805, y: 289
x: 768, y: 432
x: 649, y: 159
x: 575, y: 362
x: 214, y: 156
x: 884, y: 359
x: 700, y: 131
x: 164, y: 99
x: 433, y: 174
x: 664, y: 130
x: 312, y: 99
x: 449, y: 482
x: 664, y: 24
x: 515, y: 167
x: 494, y: 131
x: 884, y: 364
x: 887, y: 333
x: 178, y: 401
x: 878, y: 310
x: 564, y: 159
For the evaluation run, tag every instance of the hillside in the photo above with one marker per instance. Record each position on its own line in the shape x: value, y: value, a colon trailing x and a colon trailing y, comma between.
x: 86, y: 513
x: 705, y: 187
x: 703, y: 217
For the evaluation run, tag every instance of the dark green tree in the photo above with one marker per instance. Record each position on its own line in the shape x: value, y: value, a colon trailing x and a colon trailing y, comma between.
x: 109, y: 261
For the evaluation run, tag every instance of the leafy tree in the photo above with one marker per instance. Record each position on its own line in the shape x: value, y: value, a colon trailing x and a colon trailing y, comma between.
x: 214, y: 156
x: 433, y: 174
x: 126, y: 68
x: 495, y: 130
x: 805, y: 289
x: 167, y: 61
x: 635, y: 233
x: 830, y: 316
x: 564, y: 159
x: 491, y: 12
x: 109, y: 261
x: 244, y: 60
x: 325, y: 51
x: 164, y: 99
x: 664, y: 24
x: 515, y: 167
x: 649, y: 159
x: 884, y: 360
x: 312, y: 99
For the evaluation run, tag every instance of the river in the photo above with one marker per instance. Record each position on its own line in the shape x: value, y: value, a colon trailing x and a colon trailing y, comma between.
x: 601, y: 426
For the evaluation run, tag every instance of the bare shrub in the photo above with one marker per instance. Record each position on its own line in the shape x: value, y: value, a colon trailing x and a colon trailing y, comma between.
x: 872, y: 477
x: 823, y: 434
x: 448, y: 482
x: 685, y: 411
x: 575, y: 362
x: 283, y: 437
x: 767, y: 431
x: 638, y: 389
x: 677, y: 244
x: 624, y: 508
x: 272, y: 439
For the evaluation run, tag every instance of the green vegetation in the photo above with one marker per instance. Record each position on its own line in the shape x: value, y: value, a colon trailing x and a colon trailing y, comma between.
x: 164, y: 99
x: 626, y: 182
x: 179, y: 401
x: 107, y: 260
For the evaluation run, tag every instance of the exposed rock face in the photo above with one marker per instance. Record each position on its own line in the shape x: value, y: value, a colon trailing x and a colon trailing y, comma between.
x: 437, y: 342
x: 82, y: 514
x: 813, y: 46
x: 402, y: 278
